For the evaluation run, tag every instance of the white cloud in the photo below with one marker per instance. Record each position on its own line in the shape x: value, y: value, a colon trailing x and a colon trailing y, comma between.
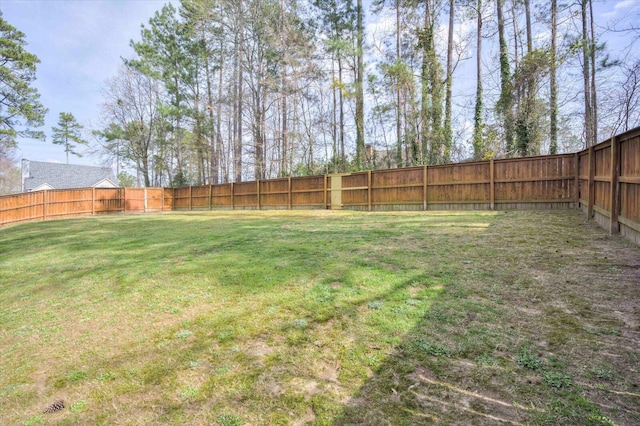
x: 625, y: 4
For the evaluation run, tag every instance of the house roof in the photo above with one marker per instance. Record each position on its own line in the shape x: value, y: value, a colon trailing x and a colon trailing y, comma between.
x: 61, y: 176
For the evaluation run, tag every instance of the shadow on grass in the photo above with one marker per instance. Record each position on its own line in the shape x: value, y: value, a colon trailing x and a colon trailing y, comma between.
x: 428, y: 312
x: 468, y: 360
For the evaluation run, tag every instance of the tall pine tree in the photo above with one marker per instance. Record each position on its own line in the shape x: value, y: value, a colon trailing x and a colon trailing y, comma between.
x: 20, y: 107
x: 68, y: 134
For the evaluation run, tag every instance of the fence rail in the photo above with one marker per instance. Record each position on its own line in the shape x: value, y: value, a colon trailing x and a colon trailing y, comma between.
x: 604, y: 181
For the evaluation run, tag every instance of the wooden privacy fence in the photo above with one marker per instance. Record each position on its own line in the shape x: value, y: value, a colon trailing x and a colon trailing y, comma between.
x: 604, y: 181
x: 609, y: 184
x: 59, y: 203
x: 537, y: 182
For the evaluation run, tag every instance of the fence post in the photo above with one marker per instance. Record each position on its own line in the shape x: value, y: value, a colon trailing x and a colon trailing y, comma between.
x: 592, y: 191
x: 614, y: 226
x: 162, y: 189
x: 210, y: 196
x: 93, y: 201
x: 425, y: 185
x: 369, y: 188
x: 290, y: 201
x: 258, y: 192
x: 325, y: 192
x: 124, y: 199
x: 492, y: 184
x: 45, y: 199
x: 233, y: 201
x: 576, y: 161
x: 146, y: 201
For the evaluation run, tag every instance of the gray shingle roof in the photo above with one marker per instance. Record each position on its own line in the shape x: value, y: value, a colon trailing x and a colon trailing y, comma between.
x: 61, y: 176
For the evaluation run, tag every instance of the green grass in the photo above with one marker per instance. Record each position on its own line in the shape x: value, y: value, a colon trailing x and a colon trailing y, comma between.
x: 318, y: 317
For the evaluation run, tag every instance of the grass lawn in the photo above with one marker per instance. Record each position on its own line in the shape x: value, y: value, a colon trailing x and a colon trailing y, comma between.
x: 319, y: 317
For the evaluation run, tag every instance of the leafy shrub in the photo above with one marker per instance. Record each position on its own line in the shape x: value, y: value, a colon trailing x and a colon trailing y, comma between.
x: 529, y: 360
x: 431, y: 348
x: 556, y: 379
x: 229, y: 420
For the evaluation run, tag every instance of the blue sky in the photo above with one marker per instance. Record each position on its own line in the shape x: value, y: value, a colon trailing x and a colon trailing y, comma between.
x: 80, y: 43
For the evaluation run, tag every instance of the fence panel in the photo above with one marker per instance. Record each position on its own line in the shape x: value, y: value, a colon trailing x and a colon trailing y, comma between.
x: 155, y: 202
x: 22, y: 207
x: 397, y: 187
x: 547, y: 182
x: 274, y: 193
x: 200, y: 197
x: 135, y: 200
x: 602, y: 179
x: 630, y: 188
x: 167, y: 199
x: 108, y: 200
x: 355, y: 189
x: 245, y: 195
x: 70, y: 202
x: 308, y: 191
x: 221, y: 195
x: 459, y: 184
x: 181, y: 198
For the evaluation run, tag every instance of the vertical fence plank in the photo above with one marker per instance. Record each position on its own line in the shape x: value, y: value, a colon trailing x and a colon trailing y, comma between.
x: 325, y: 192
x: 369, y: 189
x: 492, y: 184
x: 425, y: 187
x: 233, y: 201
x: 93, y: 201
x: 258, y: 193
x: 614, y: 226
x: 289, y: 193
x: 576, y: 170
x: 45, y: 199
x: 210, y: 197
x: 591, y: 186
x: 123, y: 200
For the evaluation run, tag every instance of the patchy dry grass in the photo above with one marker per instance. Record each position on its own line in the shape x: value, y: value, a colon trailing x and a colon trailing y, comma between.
x: 319, y: 317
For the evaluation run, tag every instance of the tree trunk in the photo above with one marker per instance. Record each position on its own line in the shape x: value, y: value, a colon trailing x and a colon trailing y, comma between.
x: 237, y: 146
x: 478, y: 148
x: 360, y: 88
x: 213, y: 158
x: 398, y: 95
x: 505, y: 103
x: 343, y: 157
x: 527, y: 14
x: 588, y: 124
x: 334, y: 124
x: 594, y: 98
x: 283, y: 85
x: 427, y: 136
x: 448, y: 133
x: 553, y: 86
x: 178, y: 132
